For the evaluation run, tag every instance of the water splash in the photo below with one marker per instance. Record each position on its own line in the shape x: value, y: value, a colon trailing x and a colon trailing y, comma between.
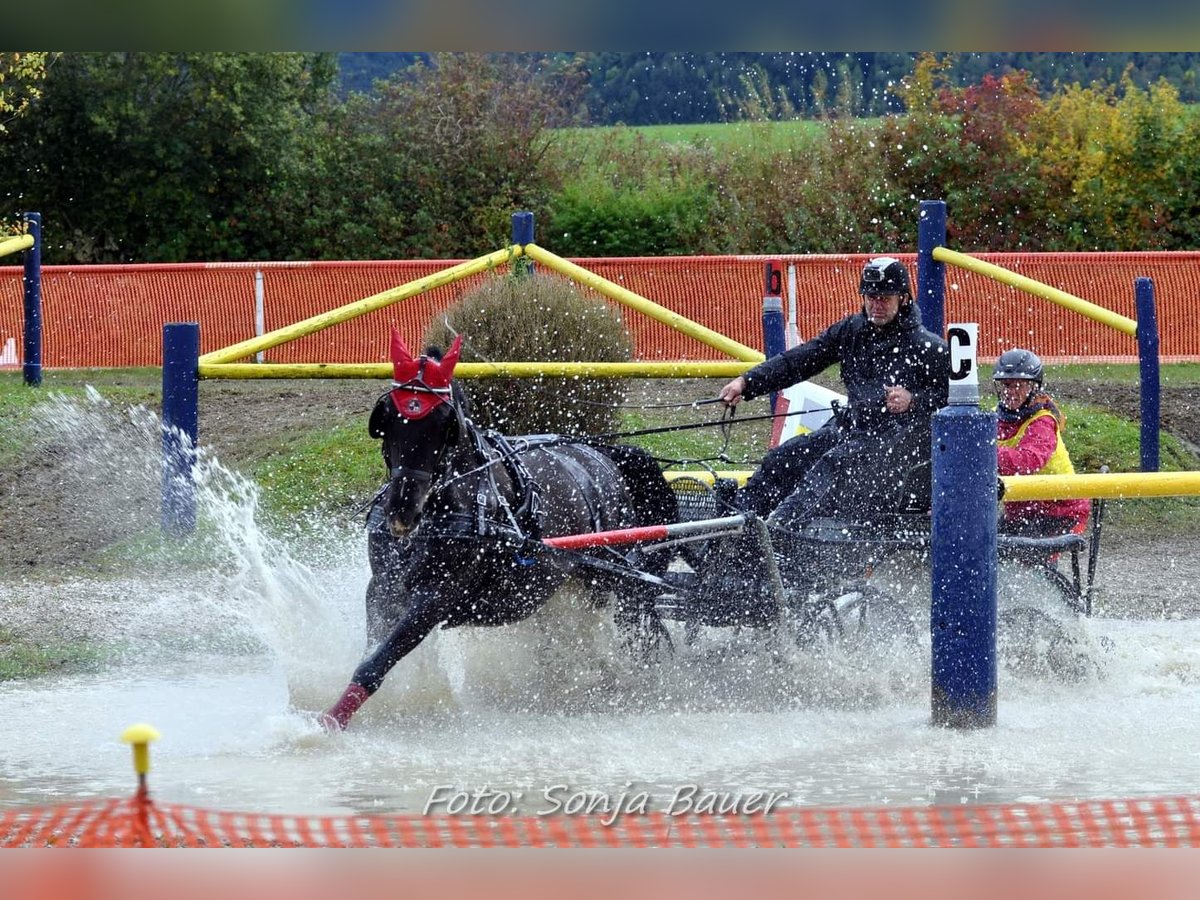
x: 294, y: 593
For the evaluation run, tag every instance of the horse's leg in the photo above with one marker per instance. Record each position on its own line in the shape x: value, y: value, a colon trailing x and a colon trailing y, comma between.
x: 421, y: 617
x: 386, y: 594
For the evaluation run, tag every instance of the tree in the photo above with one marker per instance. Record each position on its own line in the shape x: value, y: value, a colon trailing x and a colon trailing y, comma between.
x: 163, y: 156
x: 20, y: 78
x: 433, y: 164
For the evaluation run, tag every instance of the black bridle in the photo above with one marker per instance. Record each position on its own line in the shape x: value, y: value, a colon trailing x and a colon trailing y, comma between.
x: 489, y: 449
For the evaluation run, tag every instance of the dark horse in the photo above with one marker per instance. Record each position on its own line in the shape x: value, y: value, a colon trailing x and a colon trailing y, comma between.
x: 455, y: 535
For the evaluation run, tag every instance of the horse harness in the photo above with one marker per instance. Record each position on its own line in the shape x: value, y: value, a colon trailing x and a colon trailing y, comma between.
x: 494, y: 514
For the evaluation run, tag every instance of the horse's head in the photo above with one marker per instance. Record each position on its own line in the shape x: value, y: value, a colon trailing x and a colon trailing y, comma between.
x: 418, y: 422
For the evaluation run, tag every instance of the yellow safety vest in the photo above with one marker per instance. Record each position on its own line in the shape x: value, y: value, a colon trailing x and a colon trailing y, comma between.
x: 1059, y: 462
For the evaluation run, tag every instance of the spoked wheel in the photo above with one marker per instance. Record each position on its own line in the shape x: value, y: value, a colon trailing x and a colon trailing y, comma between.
x: 642, y: 631
x: 818, y: 622
x: 1032, y: 642
x: 872, y: 616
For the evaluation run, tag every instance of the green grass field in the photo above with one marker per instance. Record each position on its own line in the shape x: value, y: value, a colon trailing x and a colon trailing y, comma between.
x: 770, y: 136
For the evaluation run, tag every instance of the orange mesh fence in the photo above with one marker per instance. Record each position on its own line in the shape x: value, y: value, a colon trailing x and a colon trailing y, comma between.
x: 140, y: 822
x: 113, y: 315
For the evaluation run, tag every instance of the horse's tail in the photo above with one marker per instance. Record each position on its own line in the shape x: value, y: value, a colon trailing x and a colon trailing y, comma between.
x: 650, y: 494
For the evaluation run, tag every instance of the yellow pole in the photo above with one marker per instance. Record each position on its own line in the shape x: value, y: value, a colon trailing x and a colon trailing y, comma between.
x: 382, y: 371
x: 16, y: 244
x: 361, y: 307
x: 1038, y: 289
x: 641, y: 304
x: 1113, y: 485
x: 739, y: 476
x: 140, y: 736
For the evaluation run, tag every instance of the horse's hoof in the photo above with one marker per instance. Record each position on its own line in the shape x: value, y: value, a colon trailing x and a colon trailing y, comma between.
x: 330, y: 723
x: 338, y: 716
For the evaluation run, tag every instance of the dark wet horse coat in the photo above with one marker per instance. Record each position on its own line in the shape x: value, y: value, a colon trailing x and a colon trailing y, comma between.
x: 454, y: 537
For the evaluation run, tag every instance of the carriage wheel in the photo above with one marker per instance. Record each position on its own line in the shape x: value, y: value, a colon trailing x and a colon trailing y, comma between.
x: 1034, y: 642
x: 818, y: 622
x: 642, y: 631
x: 870, y: 615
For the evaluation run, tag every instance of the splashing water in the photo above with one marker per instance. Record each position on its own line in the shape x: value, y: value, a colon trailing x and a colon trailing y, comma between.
x: 219, y: 639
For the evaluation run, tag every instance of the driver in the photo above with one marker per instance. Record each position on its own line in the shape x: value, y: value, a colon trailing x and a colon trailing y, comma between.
x: 1029, y: 442
x: 896, y: 375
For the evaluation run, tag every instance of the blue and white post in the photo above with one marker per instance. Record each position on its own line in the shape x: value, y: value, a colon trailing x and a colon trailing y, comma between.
x: 32, y: 346
x: 180, y: 424
x: 774, y: 333
x: 963, y: 611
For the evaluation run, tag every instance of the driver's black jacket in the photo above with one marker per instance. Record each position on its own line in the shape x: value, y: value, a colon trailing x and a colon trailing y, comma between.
x: 899, y: 353
x: 858, y: 462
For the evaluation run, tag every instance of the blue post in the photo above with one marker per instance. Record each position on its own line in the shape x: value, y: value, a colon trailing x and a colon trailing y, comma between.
x: 931, y: 274
x: 522, y: 234
x: 963, y: 610
x: 180, y: 420
x: 774, y: 335
x: 33, y: 303
x: 1147, y: 338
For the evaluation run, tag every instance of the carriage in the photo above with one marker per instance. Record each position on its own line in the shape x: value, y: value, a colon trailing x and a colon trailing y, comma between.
x: 832, y: 580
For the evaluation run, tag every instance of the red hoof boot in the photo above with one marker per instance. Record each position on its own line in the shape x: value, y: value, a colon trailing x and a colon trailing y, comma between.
x: 338, y: 716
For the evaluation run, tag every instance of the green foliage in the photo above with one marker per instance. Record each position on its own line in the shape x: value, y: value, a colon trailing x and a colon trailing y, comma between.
x: 23, y: 659
x: 20, y: 78
x: 433, y: 164
x: 538, y: 318
x: 162, y: 156
x: 666, y: 88
x: 335, y: 470
x: 631, y: 196
x: 1127, y: 161
x: 1096, y: 438
x: 128, y: 386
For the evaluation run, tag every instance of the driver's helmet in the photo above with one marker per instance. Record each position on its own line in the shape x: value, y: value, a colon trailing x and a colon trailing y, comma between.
x: 884, y: 275
x: 1018, y: 365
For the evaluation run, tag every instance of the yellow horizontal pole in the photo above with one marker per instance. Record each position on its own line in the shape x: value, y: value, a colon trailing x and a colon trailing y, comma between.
x: 635, y: 301
x: 706, y: 476
x: 1038, y: 289
x: 381, y: 371
x: 16, y: 244
x: 360, y: 307
x: 1113, y: 485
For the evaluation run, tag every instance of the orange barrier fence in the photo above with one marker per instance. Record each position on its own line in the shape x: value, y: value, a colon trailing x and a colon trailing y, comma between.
x: 140, y: 822
x: 113, y: 315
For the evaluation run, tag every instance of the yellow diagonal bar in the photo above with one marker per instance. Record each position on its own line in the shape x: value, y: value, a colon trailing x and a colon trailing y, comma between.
x: 1113, y: 485
x: 1038, y: 289
x: 16, y: 244
x: 361, y: 307
x: 635, y: 301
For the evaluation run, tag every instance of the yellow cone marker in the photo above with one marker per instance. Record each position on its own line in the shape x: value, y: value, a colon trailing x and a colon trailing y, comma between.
x: 140, y: 736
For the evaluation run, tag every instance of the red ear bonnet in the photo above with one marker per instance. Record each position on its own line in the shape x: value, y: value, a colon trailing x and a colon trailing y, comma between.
x: 420, y: 385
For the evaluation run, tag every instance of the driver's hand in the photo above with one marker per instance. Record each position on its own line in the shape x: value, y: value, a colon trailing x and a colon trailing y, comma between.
x: 732, y: 392
x: 897, y: 399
